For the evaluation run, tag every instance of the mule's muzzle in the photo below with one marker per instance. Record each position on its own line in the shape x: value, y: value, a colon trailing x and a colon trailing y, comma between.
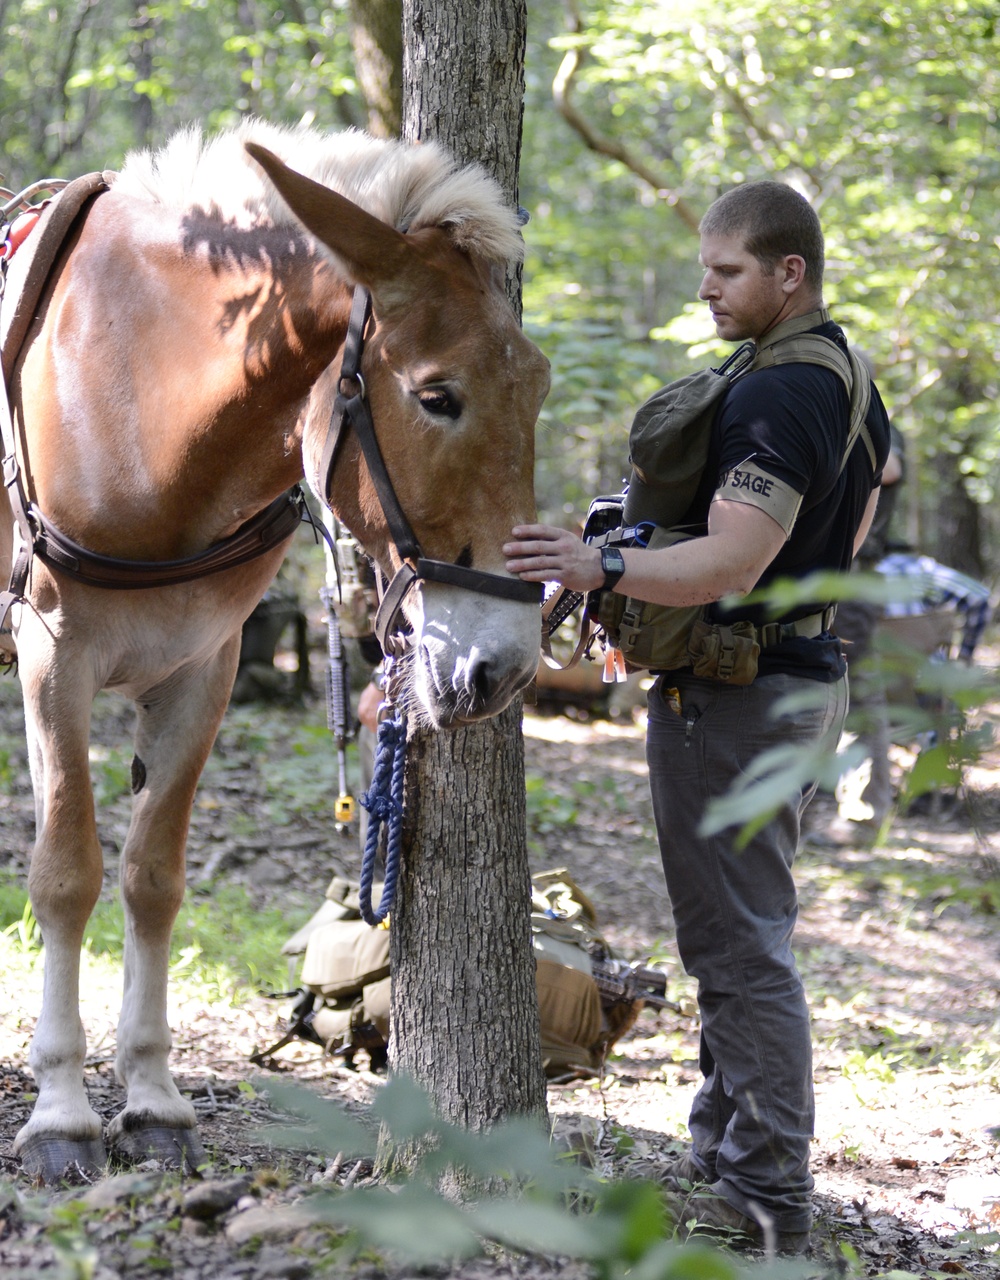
x: 481, y: 686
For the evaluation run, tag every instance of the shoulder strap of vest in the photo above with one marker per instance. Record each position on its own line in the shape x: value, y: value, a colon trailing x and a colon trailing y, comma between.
x: 796, y: 325
x: 791, y: 342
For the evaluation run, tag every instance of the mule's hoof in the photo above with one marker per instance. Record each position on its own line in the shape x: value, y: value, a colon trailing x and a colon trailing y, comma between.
x: 173, y: 1148
x: 51, y: 1158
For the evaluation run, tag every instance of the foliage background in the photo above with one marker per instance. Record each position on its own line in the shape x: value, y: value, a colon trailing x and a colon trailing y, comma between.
x: 638, y: 113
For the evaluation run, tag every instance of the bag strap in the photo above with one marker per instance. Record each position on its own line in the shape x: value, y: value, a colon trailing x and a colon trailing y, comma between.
x: 800, y: 345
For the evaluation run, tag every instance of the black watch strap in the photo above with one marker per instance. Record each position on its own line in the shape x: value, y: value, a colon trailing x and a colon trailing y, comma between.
x: 613, y: 564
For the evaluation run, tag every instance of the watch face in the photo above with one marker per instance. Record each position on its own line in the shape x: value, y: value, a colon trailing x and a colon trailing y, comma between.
x: 613, y: 564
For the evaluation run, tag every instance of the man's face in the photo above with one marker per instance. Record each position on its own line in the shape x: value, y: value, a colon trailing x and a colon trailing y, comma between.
x: 745, y: 301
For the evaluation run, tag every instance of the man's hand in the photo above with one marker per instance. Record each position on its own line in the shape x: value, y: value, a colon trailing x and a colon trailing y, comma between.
x: 543, y: 553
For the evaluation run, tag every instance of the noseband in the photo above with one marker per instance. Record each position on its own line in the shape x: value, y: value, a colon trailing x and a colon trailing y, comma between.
x: 351, y: 409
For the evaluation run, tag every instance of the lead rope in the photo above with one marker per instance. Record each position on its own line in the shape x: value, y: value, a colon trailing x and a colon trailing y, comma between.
x: 384, y: 802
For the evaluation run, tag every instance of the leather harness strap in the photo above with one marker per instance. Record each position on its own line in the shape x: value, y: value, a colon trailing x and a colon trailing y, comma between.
x: 39, y: 536
x: 260, y: 533
x: 263, y: 531
x: 351, y: 409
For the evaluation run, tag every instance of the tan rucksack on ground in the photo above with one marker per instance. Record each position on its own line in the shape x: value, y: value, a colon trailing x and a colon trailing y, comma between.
x: 587, y: 997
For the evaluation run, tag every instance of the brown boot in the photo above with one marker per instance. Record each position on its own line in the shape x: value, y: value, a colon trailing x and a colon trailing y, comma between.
x: 705, y: 1213
x: 678, y: 1173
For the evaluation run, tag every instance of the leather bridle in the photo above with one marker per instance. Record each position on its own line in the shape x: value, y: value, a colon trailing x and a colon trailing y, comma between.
x: 351, y: 409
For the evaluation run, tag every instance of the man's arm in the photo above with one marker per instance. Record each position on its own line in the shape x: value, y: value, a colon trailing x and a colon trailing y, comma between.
x: 742, y: 541
x: 866, y: 520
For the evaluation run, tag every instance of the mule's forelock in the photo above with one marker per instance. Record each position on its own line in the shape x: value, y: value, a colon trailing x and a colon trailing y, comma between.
x: 408, y: 186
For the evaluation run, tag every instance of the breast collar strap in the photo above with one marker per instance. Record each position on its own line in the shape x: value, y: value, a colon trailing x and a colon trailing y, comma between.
x: 351, y: 409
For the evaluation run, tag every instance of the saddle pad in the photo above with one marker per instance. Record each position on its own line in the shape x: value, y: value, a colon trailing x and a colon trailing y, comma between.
x: 30, y: 266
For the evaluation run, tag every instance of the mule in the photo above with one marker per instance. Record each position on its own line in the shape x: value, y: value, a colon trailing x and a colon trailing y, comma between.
x: 178, y: 378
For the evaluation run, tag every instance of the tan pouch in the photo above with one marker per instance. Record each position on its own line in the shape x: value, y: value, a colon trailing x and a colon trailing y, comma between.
x: 653, y: 636
x: 376, y: 1001
x: 333, y: 1025
x: 727, y: 653
x: 344, y: 957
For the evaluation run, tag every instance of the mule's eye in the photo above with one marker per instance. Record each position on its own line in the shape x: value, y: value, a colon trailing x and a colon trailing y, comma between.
x: 440, y: 402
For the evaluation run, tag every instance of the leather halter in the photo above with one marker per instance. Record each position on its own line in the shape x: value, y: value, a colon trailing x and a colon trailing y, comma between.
x: 351, y: 409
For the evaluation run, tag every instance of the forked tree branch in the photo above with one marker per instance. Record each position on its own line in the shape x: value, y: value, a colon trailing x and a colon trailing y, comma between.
x: 562, y: 87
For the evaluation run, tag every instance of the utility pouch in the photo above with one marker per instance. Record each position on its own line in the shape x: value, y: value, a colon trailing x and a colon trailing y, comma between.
x: 652, y: 636
x: 725, y: 652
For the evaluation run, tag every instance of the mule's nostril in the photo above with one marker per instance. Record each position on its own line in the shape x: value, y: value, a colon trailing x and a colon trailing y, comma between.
x: 482, y: 680
x: 464, y: 560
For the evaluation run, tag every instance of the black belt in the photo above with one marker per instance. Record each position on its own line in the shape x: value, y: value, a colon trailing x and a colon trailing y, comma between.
x: 809, y: 627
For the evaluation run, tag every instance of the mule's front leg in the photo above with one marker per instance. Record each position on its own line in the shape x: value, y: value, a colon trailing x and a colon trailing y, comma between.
x: 177, y: 726
x: 64, y: 882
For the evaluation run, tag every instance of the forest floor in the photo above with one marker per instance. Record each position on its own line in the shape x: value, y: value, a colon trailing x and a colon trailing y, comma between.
x: 898, y: 947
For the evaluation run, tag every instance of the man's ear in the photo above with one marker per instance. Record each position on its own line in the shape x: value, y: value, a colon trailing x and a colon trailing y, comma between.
x: 794, y: 268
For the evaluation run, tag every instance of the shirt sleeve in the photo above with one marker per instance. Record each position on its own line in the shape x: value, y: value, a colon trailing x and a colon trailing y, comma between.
x: 776, y: 443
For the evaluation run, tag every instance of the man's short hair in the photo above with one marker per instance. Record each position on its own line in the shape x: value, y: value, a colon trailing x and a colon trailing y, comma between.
x: 774, y: 221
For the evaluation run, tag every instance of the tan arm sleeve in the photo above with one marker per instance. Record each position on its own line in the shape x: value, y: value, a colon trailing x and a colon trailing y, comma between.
x: 748, y: 483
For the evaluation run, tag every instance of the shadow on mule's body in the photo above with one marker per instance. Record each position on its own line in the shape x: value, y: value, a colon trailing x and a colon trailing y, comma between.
x: 179, y: 377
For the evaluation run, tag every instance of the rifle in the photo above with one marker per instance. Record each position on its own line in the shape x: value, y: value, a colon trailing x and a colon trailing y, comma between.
x: 622, y: 983
x: 348, y: 613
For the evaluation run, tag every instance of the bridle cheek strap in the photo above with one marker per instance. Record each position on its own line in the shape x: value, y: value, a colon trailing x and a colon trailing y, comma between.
x: 353, y: 410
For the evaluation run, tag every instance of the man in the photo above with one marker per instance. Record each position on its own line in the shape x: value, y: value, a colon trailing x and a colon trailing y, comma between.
x: 786, y: 427
x: 941, y: 589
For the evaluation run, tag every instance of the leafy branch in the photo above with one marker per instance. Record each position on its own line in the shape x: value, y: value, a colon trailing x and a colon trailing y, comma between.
x: 602, y: 143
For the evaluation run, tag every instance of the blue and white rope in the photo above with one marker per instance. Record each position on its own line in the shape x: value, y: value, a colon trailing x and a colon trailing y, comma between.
x: 384, y: 802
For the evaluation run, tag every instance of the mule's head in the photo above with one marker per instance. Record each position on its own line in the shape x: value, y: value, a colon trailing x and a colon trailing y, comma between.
x: 454, y: 389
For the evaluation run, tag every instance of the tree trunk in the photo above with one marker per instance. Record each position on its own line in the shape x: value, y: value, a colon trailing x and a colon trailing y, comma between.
x: 377, y: 40
x: 958, y: 530
x: 464, y: 1001
x: 141, y: 58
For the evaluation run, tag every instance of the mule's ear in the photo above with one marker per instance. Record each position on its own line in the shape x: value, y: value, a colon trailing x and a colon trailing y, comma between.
x: 372, y: 252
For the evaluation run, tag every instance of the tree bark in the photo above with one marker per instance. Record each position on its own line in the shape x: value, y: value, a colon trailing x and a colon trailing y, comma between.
x: 142, y: 61
x: 464, y: 1001
x: 957, y: 539
x: 377, y: 39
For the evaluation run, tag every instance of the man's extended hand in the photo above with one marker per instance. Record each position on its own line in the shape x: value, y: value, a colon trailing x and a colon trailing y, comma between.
x: 543, y: 553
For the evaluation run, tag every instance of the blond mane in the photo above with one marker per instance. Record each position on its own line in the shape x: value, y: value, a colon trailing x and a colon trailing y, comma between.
x: 407, y: 186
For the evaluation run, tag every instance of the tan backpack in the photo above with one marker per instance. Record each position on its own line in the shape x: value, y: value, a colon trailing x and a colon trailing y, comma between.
x: 587, y: 997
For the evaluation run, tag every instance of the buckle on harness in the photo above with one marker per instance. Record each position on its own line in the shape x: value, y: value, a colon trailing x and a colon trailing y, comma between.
x: 727, y: 653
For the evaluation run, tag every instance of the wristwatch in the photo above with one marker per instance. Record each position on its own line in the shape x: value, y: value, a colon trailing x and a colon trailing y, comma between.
x: 613, y: 564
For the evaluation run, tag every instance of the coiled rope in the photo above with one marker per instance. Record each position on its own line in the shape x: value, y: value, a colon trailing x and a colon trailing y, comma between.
x: 384, y: 802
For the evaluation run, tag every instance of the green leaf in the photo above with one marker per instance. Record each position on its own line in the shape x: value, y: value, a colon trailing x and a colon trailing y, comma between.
x: 933, y: 769
x: 413, y: 1222
x: 632, y: 1219
x: 670, y: 1260
x: 771, y: 779
x: 406, y: 1111
x: 522, y: 1223
x: 328, y: 1127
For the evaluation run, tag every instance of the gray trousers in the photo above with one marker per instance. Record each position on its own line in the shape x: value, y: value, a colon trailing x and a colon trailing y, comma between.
x: 734, y: 912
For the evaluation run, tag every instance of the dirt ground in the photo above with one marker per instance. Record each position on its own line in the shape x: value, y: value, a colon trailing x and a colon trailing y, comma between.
x: 899, y: 949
